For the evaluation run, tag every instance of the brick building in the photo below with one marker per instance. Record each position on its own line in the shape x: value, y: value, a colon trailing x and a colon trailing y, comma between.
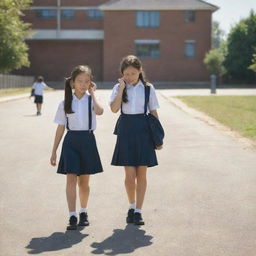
x: 170, y: 36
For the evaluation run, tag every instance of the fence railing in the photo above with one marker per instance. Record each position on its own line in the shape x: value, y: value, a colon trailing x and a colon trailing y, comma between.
x: 14, y: 81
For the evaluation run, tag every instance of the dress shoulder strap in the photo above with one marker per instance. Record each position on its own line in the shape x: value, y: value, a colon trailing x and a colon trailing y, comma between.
x: 147, y: 93
x: 90, y: 112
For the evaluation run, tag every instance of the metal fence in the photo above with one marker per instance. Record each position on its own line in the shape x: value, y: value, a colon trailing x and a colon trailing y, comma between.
x: 13, y: 81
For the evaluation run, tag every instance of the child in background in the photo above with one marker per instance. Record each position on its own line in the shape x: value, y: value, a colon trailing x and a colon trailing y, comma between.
x: 37, y: 92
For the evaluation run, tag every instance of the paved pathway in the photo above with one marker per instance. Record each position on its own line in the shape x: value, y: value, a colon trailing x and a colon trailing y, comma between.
x: 201, y: 199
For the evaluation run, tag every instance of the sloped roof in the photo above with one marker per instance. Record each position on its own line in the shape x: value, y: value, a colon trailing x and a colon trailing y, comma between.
x: 157, y: 5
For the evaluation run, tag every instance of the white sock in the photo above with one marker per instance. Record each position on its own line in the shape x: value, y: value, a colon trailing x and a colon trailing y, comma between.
x: 132, y: 206
x: 83, y: 210
x: 72, y: 214
x: 138, y: 210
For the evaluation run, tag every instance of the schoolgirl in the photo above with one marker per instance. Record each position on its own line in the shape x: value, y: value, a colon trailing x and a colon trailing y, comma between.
x: 134, y: 148
x: 79, y: 155
x: 37, y: 91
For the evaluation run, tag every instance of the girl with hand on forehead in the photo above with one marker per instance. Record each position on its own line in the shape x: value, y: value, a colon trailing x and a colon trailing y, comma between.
x: 134, y: 147
x: 79, y: 155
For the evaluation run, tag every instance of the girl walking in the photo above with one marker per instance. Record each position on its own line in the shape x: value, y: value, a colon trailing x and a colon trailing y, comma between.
x: 79, y: 155
x: 37, y: 92
x: 134, y: 148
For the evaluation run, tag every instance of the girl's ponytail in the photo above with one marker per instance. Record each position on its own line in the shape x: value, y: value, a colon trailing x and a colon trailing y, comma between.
x: 142, y: 78
x: 125, y: 96
x: 68, y: 96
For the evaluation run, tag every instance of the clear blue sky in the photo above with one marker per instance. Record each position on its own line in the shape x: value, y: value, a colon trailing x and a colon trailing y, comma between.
x: 231, y: 11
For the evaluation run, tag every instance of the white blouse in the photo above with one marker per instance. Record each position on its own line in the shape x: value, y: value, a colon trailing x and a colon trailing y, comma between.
x: 39, y: 87
x: 79, y: 120
x: 136, y: 98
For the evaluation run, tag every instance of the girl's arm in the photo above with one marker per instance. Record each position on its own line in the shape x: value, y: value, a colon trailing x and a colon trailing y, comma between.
x: 98, y: 109
x: 116, y: 103
x: 58, y: 136
x: 47, y: 87
x: 154, y: 113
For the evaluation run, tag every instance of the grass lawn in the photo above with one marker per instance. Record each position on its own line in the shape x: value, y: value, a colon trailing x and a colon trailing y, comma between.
x: 237, y: 112
x: 14, y: 91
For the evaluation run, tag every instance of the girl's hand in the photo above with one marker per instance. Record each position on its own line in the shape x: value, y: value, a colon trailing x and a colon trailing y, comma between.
x: 53, y: 159
x: 159, y: 147
x: 121, y: 83
x: 92, y: 87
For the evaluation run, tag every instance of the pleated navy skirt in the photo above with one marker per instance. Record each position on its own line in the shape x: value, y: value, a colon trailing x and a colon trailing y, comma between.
x: 38, y: 99
x: 79, y: 154
x: 134, y: 147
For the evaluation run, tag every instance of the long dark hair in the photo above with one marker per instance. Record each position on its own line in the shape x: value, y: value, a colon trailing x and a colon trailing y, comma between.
x: 131, y: 61
x: 40, y: 79
x: 68, y: 88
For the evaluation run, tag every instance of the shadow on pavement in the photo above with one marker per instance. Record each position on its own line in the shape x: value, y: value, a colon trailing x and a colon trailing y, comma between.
x: 56, y: 241
x: 123, y: 241
x: 30, y: 115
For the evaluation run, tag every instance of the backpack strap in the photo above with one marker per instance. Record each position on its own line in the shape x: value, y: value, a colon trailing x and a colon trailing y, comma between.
x: 147, y: 93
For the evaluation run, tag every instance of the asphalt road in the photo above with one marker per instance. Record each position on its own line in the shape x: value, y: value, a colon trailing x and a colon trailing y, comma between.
x: 201, y: 199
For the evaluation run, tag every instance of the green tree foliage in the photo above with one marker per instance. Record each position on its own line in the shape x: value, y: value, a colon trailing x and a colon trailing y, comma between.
x: 241, y: 45
x: 13, y: 50
x: 253, y: 66
x: 217, y: 34
x: 214, y: 61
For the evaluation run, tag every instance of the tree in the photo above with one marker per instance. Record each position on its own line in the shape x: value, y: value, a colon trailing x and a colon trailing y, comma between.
x: 217, y: 34
x: 253, y: 66
x: 13, y: 49
x: 241, y: 45
x: 214, y: 61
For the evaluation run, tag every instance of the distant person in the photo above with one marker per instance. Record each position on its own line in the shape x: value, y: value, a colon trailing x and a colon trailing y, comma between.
x: 134, y: 147
x: 79, y: 155
x: 37, y: 92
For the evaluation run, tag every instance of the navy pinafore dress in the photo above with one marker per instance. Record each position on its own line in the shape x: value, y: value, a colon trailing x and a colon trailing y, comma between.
x: 79, y: 154
x: 134, y: 146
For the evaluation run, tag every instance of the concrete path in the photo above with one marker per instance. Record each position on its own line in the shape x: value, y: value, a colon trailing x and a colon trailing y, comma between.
x: 205, y: 92
x: 201, y: 199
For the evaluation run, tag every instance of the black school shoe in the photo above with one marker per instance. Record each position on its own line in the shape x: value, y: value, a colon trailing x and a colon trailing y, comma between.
x: 72, y: 223
x: 130, y: 216
x: 83, y: 219
x: 137, y: 220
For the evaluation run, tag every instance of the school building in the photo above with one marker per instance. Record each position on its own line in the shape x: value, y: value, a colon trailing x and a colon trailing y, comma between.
x: 170, y: 36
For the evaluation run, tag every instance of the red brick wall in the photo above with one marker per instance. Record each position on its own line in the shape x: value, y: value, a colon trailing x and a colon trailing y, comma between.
x: 44, y: 3
x: 56, y: 59
x: 121, y: 31
x: 69, y: 2
x: 82, y: 2
x: 81, y: 21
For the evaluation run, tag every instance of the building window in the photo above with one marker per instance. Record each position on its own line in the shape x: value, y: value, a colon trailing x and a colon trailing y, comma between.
x: 148, y: 19
x: 190, y: 49
x: 190, y: 16
x: 67, y: 14
x: 147, y: 48
x: 46, y: 13
x: 95, y: 14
